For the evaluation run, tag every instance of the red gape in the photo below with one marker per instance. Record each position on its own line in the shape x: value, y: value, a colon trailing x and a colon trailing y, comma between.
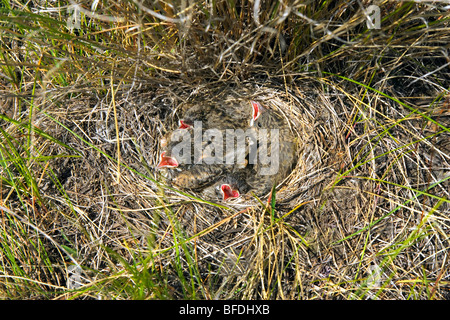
x: 183, y: 125
x: 256, y: 110
x: 228, y: 192
x: 167, y: 162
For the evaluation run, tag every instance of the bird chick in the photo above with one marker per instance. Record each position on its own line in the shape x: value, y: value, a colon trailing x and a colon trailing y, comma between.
x: 227, y: 187
x: 280, y: 149
x: 195, y: 176
x: 228, y: 114
x: 220, y: 181
x: 192, y: 171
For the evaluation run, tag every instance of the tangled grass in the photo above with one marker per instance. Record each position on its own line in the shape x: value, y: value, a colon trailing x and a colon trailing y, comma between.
x: 85, y: 214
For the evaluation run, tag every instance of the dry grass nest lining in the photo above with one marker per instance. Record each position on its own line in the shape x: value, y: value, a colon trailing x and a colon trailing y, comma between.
x: 326, y: 213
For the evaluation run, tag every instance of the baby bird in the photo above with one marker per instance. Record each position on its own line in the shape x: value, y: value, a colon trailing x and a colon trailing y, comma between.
x: 231, y: 114
x: 219, y: 181
x: 283, y: 161
x: 226, y: 188
x: 166, y: 159
x: 195, y: 176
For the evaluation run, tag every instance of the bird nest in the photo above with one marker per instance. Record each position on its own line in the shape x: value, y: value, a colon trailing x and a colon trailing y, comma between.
x: 330, y: 193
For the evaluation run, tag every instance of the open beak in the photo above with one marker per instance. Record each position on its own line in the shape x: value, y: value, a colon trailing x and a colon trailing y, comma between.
x: 228, y: 192
x: 183, y: 124
x: 256, y: 108
x: 167, y: 162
